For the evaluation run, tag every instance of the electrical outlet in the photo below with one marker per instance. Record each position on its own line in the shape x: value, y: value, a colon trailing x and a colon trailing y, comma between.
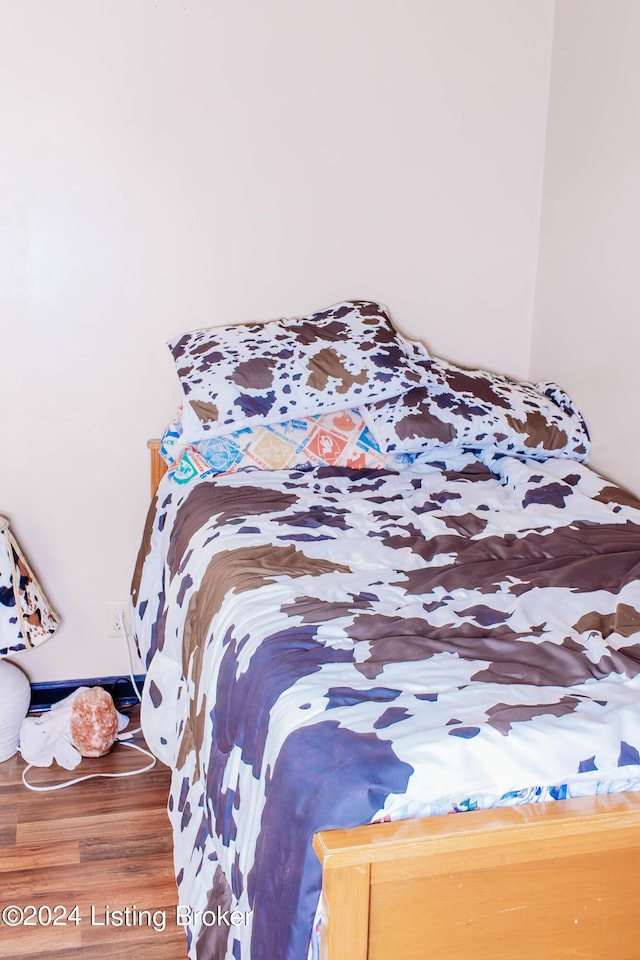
x: 114, y: 612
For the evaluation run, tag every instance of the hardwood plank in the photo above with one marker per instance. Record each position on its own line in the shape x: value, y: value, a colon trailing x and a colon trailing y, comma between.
x: 38, y: 855
x: 148, y: 949
x: 116, y: 880
x: 104, y: 849
x: 113, y: 826
x: 8, y: 831
x: 61, y: 943
x: 40, y: 941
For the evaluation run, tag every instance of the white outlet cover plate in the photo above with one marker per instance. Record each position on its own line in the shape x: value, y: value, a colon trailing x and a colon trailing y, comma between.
x: 113, y: 609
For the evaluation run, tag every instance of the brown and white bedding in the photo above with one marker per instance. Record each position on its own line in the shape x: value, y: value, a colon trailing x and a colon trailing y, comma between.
x: 332, y: 646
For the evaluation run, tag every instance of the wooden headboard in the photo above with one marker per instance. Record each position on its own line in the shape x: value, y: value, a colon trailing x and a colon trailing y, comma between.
x: 158, y: 466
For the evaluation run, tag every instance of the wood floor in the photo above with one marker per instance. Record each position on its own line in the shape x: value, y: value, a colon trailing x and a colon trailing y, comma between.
x: 104, y: 846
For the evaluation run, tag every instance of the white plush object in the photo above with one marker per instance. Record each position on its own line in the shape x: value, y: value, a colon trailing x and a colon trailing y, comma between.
x: 47, y: 738
x: 15, y: 693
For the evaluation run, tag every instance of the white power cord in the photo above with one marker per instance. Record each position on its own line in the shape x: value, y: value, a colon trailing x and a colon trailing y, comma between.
x: 90, y: 776
x: 124, y: 738
x: 127, y: 640
x: 128, y: 734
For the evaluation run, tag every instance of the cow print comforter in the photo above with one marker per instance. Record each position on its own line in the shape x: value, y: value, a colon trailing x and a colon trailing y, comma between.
x: 335, y: 647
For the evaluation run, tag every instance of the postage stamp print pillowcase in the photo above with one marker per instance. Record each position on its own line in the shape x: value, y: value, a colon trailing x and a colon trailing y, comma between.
x: 479, y: 410
x: 262, y: 373
x: 340, y: 439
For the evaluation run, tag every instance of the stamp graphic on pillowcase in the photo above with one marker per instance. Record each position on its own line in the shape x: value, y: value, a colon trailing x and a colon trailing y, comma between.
x: 325, y: 446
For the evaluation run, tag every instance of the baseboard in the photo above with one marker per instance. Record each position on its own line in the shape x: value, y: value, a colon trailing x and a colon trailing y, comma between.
x: 44, y: 695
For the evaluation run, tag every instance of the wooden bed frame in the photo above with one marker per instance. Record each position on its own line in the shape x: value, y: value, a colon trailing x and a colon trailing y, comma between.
x: 535, y: 882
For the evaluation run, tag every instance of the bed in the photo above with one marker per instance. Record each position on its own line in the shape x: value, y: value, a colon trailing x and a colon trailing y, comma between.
x: 407, y: 596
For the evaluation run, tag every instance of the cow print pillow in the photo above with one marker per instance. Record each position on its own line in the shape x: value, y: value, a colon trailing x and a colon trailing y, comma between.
x: 256, y: 374
x: 479, y: 410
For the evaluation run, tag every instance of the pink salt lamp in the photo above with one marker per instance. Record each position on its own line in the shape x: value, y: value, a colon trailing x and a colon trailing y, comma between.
x: 94, y: 722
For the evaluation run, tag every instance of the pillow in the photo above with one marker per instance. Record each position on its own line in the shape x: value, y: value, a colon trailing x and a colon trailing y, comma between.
x: 340, y: 439
x: 479, y: 410
x: 257, y: 374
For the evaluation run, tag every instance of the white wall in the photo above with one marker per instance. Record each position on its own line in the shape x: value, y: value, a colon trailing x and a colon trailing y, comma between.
x: 169, y: 163
x: 587, y: 313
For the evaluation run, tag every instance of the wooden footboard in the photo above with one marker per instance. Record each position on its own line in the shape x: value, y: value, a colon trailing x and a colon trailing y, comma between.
x: 539, y: 881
